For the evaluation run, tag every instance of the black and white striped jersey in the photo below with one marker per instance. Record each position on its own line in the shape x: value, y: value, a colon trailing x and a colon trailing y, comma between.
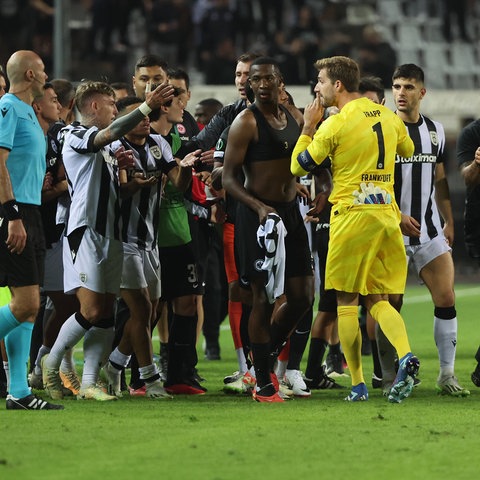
x: 415, y: 178
x: 140, y: 212
x: 93, y: 183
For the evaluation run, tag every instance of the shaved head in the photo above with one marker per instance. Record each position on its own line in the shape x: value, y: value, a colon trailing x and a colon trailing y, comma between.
x: 20, y: 62
x: 27, y: 76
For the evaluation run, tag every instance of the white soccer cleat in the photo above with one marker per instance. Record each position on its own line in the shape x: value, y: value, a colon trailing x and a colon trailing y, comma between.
x: 93, y: 392
x: 294, y: 380
x: 113, y: 376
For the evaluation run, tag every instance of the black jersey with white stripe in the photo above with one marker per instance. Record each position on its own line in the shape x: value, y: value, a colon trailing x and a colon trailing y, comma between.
x: 93, y: 184
x: 140, y: 212
x: 415, y: 178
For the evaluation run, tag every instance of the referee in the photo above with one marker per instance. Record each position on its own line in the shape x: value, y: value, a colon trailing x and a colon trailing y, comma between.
x: 22, y: 245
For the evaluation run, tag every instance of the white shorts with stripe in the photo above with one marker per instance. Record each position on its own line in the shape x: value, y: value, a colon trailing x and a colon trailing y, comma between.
x: 420, y: 255
x: 141, y: 269
x: 92, y: 261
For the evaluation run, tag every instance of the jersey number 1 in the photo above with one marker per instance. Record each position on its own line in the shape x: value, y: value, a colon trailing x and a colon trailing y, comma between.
x: 377, y: 128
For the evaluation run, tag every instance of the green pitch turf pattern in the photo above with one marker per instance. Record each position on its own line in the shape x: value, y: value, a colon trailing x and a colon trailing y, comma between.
x: 220, y: 437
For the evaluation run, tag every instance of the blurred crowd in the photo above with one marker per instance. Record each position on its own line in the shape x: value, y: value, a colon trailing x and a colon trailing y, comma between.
x: 208, y: 35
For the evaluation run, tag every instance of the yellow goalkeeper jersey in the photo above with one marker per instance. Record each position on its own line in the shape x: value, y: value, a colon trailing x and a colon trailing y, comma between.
x: 361, y: 141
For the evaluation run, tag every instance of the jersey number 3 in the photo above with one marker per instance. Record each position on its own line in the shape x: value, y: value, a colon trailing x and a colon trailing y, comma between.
x: 377, y: 128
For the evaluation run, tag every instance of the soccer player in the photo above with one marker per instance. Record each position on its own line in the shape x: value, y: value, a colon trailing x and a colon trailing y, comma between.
x: 239, y: 299
x: 181, y: 286
x: 48, y: 111
x: 366, y: 254
x: 140, y: 287
x: 260, y: 142
x: 93, y: 251
x: 421, y: 190
x: 325, y: 324
x: 149, y: 70
x: 468, y: 156
x: 22, y: 243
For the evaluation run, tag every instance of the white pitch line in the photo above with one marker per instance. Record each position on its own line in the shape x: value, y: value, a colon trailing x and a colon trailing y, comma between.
x: 459, y: 293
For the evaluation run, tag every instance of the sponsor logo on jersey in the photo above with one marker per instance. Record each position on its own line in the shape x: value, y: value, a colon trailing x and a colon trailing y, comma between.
x: 376, y: 177
x: 417, y: 158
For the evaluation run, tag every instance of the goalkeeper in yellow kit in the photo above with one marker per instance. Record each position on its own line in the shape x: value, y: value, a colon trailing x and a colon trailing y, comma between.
x: 366, y: 253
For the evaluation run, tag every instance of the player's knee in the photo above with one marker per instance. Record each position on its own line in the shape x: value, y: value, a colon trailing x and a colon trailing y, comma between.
x: 25, y: 310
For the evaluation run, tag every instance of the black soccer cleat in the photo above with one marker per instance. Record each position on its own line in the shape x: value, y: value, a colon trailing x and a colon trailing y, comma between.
x: 30, y: 402
x: 476, y: 376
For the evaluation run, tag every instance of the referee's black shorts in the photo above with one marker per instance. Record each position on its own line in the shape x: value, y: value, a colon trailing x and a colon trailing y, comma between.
x: 28, y: 267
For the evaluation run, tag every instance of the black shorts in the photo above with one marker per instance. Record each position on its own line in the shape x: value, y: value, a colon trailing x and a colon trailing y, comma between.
x: 249, y: 255
x: 27, y: 268
x: 328, y: 298
x: 179, y: 272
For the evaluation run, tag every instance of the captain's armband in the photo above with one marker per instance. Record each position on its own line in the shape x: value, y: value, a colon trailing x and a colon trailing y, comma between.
x: 306, y: 161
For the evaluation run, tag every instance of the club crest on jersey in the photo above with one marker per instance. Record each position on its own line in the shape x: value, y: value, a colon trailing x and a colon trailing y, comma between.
x: 156, y: 152
x: 434, y: 138
x: 258, y: 264
x: 181, y: 129
x: 83, y: 277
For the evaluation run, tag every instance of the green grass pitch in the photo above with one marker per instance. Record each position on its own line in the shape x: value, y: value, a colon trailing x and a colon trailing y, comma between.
x: 220, y: 437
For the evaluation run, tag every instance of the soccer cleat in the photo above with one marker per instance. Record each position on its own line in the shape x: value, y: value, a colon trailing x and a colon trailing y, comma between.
x: 35, y: 380
x: 30, y: 402
x: 295, y: 381
x: 184, y: 389
x: 334, y: 365
x: 377, y: 382
x: 51, y: 381
x: 359, y: 393
x: 322, y: 383
x: 448, y: 385
x: 262, y: 397
x: 156, y: 390
x: 233, y: 377
x: 236, y: 387
x: 114, y: 378
x: 71, y: 380
x: 476, y: 376
x: 94, y: 392
x: 137, y: 392
x: 404, y: 381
